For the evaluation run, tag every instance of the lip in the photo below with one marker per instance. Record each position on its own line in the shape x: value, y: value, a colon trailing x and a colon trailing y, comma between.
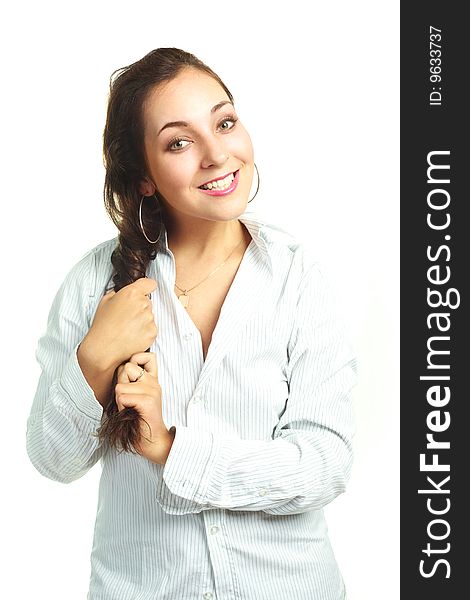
x: 230, y: 188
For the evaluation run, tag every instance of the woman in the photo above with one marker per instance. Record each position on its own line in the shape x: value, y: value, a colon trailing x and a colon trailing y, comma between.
x: 222, y: 444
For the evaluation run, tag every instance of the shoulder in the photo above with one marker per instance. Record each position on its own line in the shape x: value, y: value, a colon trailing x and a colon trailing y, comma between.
x: 289, y: 254
x: 103, y: 250
x: 102, y: 254
x: 94, y: 269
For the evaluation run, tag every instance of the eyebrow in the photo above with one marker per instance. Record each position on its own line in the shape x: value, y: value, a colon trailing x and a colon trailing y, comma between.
x: 186, y: 124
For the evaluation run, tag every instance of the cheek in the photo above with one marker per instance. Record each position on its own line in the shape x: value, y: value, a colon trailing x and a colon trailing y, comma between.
x: 241, y: 145
x: 172, y: 174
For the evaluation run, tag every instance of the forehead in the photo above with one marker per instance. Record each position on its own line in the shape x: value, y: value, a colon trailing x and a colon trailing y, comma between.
x: 190, y: 95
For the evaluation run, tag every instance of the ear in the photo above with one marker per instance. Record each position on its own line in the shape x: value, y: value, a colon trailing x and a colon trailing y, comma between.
x: 146, y: 187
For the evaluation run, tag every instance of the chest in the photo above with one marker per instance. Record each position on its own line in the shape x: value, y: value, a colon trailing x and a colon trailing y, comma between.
x: 205, y: 288
x: 205, y: 300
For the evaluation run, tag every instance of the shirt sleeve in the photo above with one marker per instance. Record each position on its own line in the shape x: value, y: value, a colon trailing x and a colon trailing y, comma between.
x: 65, y: 412
x: 307, y: 462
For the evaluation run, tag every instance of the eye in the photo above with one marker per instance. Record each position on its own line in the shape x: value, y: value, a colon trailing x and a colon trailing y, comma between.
x: 227, y: 119
x: 176, y: 141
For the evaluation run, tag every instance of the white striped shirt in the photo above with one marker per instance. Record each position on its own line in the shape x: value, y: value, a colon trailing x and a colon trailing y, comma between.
x: 263, y: 441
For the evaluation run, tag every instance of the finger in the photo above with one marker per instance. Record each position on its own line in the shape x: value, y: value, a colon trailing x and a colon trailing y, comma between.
x: 126, y: 400
x: 134, y: 372
x: 127, y: 393
x: 107, y: 297
x: 145, y: 284
x: 149, y: 305
x: 148, y: 360
x: 143, y: 390
x: 123, y: 375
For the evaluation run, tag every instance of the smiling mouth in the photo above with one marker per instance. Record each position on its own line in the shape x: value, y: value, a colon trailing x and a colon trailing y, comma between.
x: 216, y: 185
x: 230, y: 185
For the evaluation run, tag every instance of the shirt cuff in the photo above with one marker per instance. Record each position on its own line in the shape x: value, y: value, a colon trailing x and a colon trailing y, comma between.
x: 190, y: 463
x: 75, y: 385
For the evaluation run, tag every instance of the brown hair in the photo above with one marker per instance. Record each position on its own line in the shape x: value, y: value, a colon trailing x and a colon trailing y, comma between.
x: 125, y: 164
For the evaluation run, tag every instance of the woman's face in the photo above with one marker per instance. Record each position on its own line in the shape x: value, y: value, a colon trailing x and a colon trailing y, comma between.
x: 213, y: 144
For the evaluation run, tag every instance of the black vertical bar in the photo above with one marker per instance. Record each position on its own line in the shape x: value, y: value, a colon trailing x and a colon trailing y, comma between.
x: 434, y: 261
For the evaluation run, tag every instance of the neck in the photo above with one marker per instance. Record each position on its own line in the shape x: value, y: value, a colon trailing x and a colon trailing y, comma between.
x: 195, y: 240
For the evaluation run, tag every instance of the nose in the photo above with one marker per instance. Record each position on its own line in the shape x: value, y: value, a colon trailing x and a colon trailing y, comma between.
x: 215, y: 153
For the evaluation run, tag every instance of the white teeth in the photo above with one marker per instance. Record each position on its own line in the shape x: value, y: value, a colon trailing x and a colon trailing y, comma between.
x: 220, y: 184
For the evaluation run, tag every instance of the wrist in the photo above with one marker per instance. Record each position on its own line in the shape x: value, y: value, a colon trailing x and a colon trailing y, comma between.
x: 163, y: 447
x: 87, y: 356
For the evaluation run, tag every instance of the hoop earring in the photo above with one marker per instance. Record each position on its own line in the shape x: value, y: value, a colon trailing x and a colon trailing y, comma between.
x: 141, y: 224
x: 257, y: 188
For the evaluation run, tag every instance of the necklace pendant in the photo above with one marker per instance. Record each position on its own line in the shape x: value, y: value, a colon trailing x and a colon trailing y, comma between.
x: 184, y: 299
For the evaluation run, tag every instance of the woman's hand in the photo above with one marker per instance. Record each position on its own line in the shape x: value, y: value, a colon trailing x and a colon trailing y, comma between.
x: 145, y: 395
x: 123, y: 325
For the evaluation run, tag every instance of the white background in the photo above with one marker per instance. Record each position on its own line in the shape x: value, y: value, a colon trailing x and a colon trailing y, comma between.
x: 316, y: 85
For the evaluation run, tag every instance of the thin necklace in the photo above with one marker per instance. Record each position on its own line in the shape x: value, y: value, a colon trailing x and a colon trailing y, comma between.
x: 184, y: 298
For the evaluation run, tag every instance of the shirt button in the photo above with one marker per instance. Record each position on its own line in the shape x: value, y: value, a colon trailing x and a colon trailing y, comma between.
x: 214, y: 529
x: 207, y: 596
x: 187, y: 336
x: 262, y: 492
x: 196, y: 398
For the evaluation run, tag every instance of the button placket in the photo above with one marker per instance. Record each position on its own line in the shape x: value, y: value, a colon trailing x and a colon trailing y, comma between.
x: 221, y: 556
